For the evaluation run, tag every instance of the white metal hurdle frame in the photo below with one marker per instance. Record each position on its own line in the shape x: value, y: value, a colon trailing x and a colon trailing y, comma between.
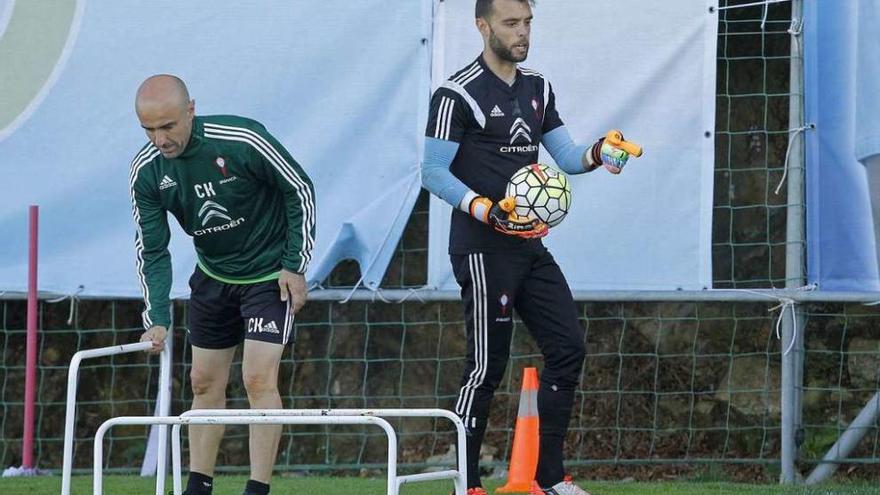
x: 70, y: 413
x: 97, y: 483
x: 458, y: 476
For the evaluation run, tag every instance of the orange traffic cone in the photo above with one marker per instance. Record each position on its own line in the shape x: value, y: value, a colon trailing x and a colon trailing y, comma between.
x: 524, y: 455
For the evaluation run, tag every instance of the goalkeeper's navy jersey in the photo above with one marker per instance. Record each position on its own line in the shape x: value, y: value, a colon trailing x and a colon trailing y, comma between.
x: 246, y: 202
x: 498, y: 127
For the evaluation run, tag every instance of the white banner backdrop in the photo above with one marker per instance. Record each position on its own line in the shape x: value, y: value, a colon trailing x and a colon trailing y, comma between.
x: 649, y: 72
x: 840, y: 240
x: 346, y: 98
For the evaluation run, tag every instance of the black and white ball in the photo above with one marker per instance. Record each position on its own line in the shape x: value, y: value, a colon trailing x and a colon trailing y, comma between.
x: 540, y: 192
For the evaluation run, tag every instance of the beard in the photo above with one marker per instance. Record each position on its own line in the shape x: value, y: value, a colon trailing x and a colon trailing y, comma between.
x: 503, y: 52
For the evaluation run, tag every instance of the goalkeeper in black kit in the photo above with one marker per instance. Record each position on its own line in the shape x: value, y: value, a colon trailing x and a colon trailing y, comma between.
x: 486, y: 122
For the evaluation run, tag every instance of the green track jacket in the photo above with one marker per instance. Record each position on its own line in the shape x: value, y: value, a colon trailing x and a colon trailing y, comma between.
x: 248, y: 205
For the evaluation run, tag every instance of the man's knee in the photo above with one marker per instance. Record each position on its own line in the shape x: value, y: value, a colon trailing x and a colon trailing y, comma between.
x: 207, y: 382
x: 259, y: 384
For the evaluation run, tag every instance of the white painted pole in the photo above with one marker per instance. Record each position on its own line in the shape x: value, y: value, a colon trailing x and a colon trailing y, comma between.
x: 70, y: 408
x: 163, y: 397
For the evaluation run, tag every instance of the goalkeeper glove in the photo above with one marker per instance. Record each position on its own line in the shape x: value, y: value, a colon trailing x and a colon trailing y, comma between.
x: 612, y: 157
x: 503, y: 219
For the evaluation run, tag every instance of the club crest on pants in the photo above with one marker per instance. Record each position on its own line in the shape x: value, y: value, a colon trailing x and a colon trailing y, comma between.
x: 504, y: 308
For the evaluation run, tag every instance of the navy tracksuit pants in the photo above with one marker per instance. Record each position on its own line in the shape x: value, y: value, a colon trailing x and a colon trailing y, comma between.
x: 492, y: 286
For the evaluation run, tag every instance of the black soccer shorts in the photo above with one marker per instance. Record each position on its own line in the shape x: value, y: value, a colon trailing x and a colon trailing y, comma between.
x: 222, y: 315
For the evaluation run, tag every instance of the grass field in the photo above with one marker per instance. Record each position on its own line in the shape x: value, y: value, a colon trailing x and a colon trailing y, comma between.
x: 233, y: 485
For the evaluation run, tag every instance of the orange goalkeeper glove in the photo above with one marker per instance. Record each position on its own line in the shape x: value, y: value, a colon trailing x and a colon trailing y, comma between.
x: 503, y: 219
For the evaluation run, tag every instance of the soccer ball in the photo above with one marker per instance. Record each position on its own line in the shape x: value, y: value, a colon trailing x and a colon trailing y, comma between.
x: 540, y: 192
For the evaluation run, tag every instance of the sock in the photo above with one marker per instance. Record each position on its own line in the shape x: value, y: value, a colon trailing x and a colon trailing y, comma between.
x: 256, y: 488
x: 474, y: 441
x: 554, y: 408
x: 199, y: 484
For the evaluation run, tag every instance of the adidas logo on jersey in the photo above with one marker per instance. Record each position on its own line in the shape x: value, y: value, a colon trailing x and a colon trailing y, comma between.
x: 496, y: 112
x: 166, y: 183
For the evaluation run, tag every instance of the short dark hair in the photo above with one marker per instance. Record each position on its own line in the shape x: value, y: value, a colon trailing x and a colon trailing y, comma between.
x: 484, y: 7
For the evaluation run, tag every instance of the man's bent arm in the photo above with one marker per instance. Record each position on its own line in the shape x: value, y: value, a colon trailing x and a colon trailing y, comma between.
x: 571, y: 158
x: 436, y: 176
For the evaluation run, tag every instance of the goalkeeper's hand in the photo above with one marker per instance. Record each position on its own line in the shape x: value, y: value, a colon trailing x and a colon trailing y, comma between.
x: 501, y: 217
x: 156, y: 335
x: 612, y: 157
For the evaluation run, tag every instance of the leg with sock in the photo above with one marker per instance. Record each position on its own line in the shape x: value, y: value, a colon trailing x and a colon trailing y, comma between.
x: 208, y: 378
x: 488, y: 287
x: 214, y: 326
x: 546, y: 306
x: 260, y: 364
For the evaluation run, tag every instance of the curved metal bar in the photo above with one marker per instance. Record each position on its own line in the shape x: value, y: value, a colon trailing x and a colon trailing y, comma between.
x: 70, y: 412
x: 176, y: 421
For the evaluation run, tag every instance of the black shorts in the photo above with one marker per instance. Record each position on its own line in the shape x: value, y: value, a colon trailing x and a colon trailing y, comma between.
x: 222, y: 315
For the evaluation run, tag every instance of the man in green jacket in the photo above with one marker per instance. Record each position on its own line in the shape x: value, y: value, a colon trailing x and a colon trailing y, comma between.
x: 250, y: 209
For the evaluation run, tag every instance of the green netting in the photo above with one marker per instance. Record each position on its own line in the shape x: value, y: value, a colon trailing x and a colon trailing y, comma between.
x: 842, y: 372
x: 119, y: 385
x: 752, y: 131
x: 664, y: 383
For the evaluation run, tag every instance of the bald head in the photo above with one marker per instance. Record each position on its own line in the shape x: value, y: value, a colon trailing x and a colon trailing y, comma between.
x: 163, y: 89
x: 165, y: 111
